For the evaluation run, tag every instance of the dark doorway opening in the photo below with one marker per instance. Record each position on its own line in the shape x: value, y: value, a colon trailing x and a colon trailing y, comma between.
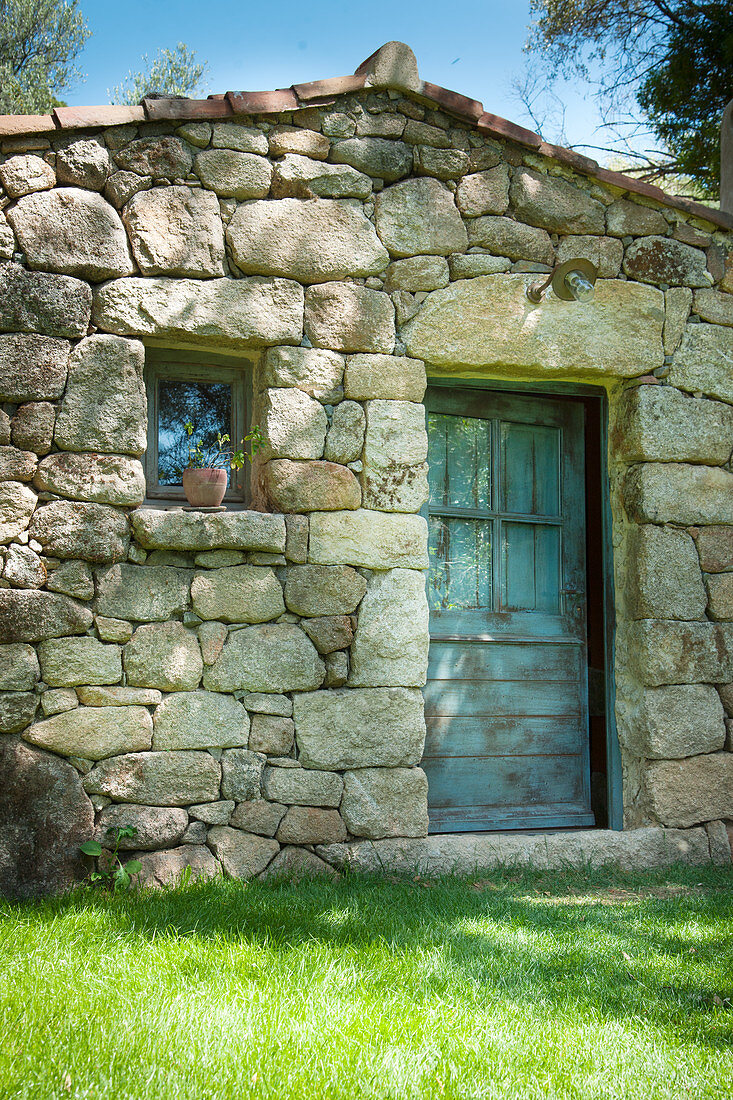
x: 596, y: 496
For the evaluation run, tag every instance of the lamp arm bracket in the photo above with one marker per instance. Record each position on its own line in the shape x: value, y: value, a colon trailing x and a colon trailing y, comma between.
x: 556, y: 278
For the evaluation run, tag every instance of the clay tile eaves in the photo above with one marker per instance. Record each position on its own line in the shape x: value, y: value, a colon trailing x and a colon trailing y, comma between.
x: 12, y: 125
x: 323, y: 89
x: 568, y: 156
x: 392, y: 66
x: 75, y: 118
x: 453, y: 103
x: 497, y: 126
x: 263, y: 103
x: 189, y: 109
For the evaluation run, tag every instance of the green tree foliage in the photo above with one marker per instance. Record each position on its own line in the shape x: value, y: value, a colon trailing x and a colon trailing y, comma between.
x: 686, y: 94
x: 39, y: 42
x: 670, y: 59
x: 172, y: 72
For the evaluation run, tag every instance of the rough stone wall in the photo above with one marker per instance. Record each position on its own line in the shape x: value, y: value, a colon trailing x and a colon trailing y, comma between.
x: 244, y: 688
x: 675, y: 631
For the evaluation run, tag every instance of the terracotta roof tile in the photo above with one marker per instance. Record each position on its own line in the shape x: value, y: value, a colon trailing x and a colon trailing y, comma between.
x: 10, y: 125
x: 186, y: 108
x: 568, y: 156
x: 73, y: 118
x: 322, y: 101
x: 453, y: 102
x: 699, y: 210
x: 651, y: 191
x: 320, y: 92
x: 263, y: 103
x: 501, y: 127
x: 336, y: 85
x: 617, y: 179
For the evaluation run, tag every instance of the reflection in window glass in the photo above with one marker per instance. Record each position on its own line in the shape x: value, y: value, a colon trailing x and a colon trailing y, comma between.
x: 460, y: 564
x: 459, y: 461
x: 207, y: 405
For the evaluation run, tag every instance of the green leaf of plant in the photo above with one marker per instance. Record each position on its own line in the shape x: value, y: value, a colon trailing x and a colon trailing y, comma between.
x: 121, y: 879
x: 133, y: 866
x: 91, y: 848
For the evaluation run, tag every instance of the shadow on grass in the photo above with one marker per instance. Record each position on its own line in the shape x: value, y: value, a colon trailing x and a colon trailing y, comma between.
x: 657, y: 946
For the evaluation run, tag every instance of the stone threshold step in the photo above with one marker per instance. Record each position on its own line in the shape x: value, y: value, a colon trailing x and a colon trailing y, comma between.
x: 465, y: 853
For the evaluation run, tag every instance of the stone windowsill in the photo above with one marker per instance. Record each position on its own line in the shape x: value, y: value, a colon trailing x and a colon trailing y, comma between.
x: 170, y: 528
x: 178, y: 505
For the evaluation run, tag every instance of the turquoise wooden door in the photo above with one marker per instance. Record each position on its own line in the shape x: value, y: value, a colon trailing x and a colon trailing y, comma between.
x: 506, y: 700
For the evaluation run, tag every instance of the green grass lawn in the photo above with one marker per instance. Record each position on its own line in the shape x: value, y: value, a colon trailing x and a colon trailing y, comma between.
x: 510, y: 985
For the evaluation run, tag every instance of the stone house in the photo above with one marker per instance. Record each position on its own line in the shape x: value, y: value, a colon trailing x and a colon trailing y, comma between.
x: 269, y: 688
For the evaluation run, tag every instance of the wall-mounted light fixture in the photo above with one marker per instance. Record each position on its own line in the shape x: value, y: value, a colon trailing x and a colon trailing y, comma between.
x: 572, y: 281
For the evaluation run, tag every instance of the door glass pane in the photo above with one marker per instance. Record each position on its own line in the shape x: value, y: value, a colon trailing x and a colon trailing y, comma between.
x: 459, y: 458
x: 530, y: 567
x: 207, y: 405
x: 460, y: 564
x: 530, y: 469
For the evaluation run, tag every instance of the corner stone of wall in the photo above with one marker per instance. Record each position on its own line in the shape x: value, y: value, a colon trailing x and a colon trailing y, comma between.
x: 244, y: 688
x: 675, y: 636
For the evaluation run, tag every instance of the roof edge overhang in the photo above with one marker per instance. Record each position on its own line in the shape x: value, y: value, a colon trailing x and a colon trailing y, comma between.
x: 392, y: 67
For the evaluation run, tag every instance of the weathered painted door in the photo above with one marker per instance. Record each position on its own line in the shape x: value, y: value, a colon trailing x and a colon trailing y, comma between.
x: 506, y: 700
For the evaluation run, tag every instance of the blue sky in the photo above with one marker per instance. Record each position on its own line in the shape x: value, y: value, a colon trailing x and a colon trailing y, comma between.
x: 472, y: 47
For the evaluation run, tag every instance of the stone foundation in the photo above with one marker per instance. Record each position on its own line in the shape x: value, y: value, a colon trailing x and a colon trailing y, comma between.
x: 244, y: 687
x: 466, y: 853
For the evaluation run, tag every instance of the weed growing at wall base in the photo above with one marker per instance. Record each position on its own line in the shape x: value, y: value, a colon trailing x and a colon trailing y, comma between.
x: 109, y: 869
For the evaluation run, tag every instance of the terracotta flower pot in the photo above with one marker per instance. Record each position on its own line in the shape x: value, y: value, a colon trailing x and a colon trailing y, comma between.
x: 205, y: 487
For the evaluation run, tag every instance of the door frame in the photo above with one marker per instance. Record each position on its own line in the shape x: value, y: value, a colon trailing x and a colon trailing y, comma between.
x: 614, y: 780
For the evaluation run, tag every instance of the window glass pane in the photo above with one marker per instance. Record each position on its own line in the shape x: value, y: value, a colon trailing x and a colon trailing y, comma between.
x: 459, y: 461
x: 207, y: 405
x: 530, y: 469
x: 460, y: 564
x: 530, y: 567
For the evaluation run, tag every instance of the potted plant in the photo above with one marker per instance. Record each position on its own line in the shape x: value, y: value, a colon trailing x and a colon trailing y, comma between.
x: 205, y: 476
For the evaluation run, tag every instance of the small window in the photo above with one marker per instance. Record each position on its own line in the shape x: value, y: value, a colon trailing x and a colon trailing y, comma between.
x: 213, y: 392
